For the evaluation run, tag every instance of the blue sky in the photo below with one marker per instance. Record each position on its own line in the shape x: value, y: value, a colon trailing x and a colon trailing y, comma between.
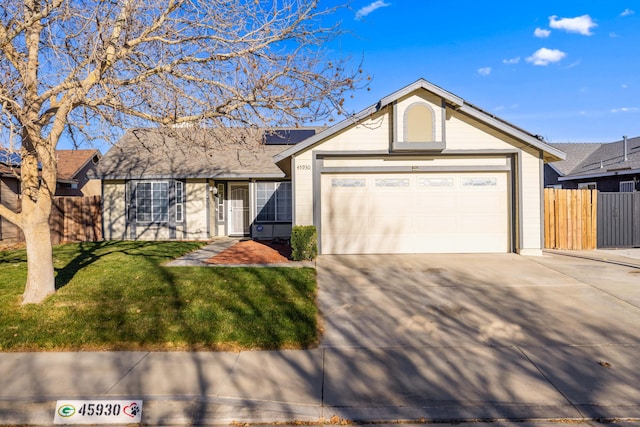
x: 566, y: 70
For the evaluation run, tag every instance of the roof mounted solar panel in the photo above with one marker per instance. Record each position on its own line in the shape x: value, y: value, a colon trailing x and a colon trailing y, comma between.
x: 287, y: 136
x: 9, y: 158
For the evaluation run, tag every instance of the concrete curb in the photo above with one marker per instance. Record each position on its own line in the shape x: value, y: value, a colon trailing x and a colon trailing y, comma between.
x: 220, y: 411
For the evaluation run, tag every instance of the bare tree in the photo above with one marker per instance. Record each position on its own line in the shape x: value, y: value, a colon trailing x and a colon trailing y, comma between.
x: 73, y: 68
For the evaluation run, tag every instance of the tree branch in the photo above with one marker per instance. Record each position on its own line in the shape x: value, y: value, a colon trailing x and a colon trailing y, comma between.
x: 10, y: 216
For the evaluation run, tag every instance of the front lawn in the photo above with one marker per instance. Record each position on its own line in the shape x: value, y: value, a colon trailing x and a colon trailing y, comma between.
x: 117, y: 296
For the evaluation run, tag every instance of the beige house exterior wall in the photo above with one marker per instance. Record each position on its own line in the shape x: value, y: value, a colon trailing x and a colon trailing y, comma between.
x: 370, y: 135
x: 196, y: 210
x: 114, y: 210
x: 531, y: 203
x: 462, y: 133
x: 435, y: 104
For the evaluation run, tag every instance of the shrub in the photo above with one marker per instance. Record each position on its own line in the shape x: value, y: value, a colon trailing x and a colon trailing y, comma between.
x: 304, y: 243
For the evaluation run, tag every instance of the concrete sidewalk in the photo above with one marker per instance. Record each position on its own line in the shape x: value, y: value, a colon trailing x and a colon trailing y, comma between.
x: 563, y: 344
x: 360, y: 385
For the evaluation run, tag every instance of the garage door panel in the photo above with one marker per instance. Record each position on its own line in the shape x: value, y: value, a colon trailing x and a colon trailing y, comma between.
x: 433, y: 224
x: 347, y: 204
x: 481, y: 224
x: 415, y: 213
x: 438, y: 202
x: 388, y: 202
x: 344, y: 225
x: 488, y: 202
x: 389, y: 225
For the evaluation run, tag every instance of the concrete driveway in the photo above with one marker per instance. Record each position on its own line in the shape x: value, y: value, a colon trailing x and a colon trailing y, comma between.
x: 495, y: 300
x: 491, y: 335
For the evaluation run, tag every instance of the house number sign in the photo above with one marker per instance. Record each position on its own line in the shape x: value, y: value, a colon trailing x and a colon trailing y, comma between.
x: 303, y: 166
x: 98, y: 412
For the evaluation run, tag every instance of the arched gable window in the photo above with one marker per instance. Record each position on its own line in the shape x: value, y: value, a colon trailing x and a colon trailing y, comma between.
x: 418, y: 123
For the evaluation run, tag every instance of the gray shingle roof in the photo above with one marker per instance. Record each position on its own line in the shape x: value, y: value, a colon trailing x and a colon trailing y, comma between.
x: 190, y: 153
x: 599, y: 158
x: 576, y: 153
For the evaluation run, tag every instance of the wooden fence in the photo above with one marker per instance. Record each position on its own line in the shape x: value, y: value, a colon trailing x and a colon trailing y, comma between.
x: 76, y: 219
x: 570, y: 219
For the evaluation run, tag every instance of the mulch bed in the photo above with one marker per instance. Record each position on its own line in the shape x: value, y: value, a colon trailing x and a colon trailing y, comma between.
x: 253, y: 252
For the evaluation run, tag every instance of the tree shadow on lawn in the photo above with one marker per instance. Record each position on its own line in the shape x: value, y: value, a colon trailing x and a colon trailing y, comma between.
x: 90, y: 252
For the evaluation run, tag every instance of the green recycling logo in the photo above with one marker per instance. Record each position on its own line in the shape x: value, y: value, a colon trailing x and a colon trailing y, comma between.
x: 66, y: 411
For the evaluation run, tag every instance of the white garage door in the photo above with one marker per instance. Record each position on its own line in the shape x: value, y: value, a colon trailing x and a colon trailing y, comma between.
x: 415, y: 213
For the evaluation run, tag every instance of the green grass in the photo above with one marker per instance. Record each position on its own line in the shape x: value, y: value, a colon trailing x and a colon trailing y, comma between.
x: 118, y: 296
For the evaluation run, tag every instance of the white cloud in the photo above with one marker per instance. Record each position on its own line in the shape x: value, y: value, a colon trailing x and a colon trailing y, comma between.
x: 511, y: 61
x: 364, y: 11
x: 613, y: 35
x: 624, y: 86
x: 542, y: 33
x: 625, y: 110
x: 546, y: 56
x: 580, y: 24
x: 484, y: 71
x: 627, y: 12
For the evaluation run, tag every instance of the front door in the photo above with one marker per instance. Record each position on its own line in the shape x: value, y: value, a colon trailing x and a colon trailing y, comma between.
x: 239, y: 210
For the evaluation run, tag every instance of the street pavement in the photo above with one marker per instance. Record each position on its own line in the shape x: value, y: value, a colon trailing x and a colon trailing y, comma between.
x: 415, y: 339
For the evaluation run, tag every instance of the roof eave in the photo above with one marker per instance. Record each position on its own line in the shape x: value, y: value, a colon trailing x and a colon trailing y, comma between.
x: 551, y: 153
x: 422, y: 84
x: 600, y: 175
x: 221, y: 176
x: 326, y: 133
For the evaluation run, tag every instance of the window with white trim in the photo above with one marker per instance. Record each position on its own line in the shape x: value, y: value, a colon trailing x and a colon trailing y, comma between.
x: 152, y: 202
x: 220, y: 202
x: 587, y: 186
x: 627, y: 186
x: 179, y: 201
x: 273, y: 202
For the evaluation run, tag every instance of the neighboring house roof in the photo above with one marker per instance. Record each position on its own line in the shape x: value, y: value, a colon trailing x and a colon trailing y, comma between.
x: 71, y: 162
x: 599, y: 159
x: 576, y: 153
x: 550, y: 153
x: 194, y: 153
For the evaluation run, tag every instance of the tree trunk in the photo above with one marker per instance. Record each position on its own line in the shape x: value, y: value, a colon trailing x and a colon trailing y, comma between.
x: 40, y: 274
